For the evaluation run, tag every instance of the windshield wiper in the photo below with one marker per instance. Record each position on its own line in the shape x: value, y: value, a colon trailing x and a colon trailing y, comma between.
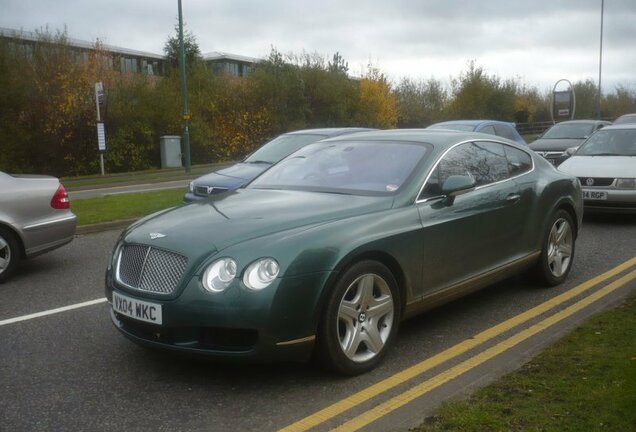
x: 603, y: 154
x: 259, y: 162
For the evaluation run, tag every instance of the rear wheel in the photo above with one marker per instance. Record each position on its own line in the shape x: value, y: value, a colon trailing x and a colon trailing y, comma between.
x: 557, y: 251
x: 9, y: 253
x: 360, y: 320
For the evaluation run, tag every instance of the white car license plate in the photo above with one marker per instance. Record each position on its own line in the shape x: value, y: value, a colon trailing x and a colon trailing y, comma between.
x: 137, y: 309
x: 594, y: 195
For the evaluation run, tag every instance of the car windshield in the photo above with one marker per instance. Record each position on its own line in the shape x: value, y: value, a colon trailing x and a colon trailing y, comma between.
x: 569, y: 130
x: 280, y: 147
x: 453, y: 126
x: 357, y: 168
x: 617, y: 142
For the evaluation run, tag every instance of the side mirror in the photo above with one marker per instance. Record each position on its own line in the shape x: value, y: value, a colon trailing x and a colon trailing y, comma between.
x: 570, y: 151
x: 457, y: 185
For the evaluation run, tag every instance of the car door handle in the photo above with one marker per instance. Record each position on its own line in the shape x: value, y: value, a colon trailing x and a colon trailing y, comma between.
x: 513, y: 197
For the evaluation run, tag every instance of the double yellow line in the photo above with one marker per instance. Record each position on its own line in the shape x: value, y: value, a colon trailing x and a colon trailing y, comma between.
x: 392, y: 404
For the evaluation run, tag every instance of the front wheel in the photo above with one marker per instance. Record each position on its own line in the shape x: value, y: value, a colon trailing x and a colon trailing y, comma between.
x: 360, y: 320
x: 557, y: 250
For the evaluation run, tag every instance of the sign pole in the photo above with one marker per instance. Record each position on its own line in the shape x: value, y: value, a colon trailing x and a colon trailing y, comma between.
x: 99, y: 88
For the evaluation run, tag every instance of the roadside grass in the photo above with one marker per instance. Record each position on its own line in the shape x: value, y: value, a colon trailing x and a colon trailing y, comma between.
x: 147, y: 176
x: 584, y: 382
x: 116, y: 207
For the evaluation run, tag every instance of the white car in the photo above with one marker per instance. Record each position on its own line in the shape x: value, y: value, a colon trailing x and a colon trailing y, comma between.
x: 606, y: 166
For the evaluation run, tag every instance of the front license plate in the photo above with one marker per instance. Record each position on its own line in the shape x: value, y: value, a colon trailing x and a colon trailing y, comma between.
x: 137, y: 309
x: 594, y: 195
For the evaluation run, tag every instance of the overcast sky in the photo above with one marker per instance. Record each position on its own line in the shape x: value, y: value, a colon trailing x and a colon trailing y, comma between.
x: 536, y: 41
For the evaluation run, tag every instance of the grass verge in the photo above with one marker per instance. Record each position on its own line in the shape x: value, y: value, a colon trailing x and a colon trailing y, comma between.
x: 147, y: 176
x: 585, y: 382
x: 125, y: 206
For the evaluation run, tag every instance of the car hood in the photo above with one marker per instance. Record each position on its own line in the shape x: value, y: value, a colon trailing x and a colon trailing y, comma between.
x: 600, y: 166
x: 555, y: 144
x: 232, y: 177
x: 200, y: 228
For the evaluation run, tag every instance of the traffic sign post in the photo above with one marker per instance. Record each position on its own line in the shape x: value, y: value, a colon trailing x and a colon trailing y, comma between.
x: 101, y: 133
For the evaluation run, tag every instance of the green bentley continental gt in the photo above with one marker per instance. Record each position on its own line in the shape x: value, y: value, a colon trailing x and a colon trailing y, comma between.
x: 326, y: 252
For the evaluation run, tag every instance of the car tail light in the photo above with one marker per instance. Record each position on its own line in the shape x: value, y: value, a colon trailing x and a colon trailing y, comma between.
x: 60, y: 200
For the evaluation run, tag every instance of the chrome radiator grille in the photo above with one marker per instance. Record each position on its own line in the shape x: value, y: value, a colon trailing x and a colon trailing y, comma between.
x: 149, y: 269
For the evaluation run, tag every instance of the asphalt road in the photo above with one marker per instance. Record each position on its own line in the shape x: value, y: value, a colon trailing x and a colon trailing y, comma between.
x: 73, y: 371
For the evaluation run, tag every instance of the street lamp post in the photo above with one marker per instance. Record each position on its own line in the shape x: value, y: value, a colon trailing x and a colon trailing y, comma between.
x: 184, y: 94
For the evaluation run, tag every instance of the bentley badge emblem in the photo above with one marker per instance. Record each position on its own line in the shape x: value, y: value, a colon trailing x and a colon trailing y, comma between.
x: 154, y: 236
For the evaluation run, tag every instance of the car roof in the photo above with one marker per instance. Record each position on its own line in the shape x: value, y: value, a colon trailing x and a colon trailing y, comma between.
x: 329, y: 132
x: 620, y: 126
x: 588, y: 121
x: 472, y: 122
x: 436, y: 137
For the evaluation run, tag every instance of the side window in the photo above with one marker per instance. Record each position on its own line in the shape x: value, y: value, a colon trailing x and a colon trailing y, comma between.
x: 483, y: 161
x: 488, y: 130
x: 504, y: 131
x: 488, y: 163
x: 518, y: 161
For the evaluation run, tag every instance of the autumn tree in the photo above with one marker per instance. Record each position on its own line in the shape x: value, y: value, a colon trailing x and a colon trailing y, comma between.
x: 477, y: 95
x: 420, y: 103
x: 377, y: 106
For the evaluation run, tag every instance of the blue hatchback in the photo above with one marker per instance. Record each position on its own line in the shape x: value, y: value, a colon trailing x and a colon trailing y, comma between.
x: 491, y: 127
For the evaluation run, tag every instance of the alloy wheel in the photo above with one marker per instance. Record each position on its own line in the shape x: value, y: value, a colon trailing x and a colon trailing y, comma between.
x: 365, y: 318
x: 560, y: 247
x: 5, y: 255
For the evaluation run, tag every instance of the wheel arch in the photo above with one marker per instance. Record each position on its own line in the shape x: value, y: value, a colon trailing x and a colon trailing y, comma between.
x: 568, y: 207
x: 368, y: 255
x: 18, y: 237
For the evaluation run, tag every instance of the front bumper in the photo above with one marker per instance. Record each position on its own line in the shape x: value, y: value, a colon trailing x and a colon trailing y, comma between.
x: 621, y: 201
x: 277, y: 323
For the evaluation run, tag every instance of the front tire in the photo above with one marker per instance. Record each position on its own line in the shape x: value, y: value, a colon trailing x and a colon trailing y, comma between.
x: 9, y: 253
x: 360, y: 320
x: 557, y: 250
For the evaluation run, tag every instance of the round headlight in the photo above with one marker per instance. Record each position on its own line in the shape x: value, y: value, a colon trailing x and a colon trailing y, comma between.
x: 261, y: 273
x: 219, y: 275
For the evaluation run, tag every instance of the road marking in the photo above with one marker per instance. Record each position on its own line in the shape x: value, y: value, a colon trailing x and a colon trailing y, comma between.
x: 346, y: 404
x: 452, y: 373
x: 51, y: 311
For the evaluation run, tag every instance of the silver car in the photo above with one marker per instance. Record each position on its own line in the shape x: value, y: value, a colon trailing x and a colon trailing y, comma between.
x: 35, y: 217
x: 552, y: 145
x: 606, y: 166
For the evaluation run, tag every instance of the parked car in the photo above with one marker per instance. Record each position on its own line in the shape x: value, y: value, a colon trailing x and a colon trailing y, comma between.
x: 240, y: 174
x: 491, y: 127
x: 606, y: 167
x: 627, y: 118
x: 329, y: 249
x: 570, y: 134
x: 35, y: 217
